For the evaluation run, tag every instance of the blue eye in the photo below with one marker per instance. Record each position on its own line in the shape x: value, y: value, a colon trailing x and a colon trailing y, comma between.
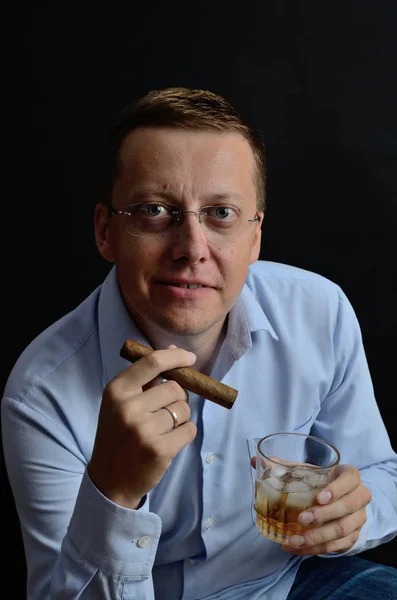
x: 221, y: 213
x: 154, y: 210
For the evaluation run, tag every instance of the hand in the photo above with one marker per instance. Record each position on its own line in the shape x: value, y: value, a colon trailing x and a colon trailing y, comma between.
x: 135, y: 442
x: 339, y: 516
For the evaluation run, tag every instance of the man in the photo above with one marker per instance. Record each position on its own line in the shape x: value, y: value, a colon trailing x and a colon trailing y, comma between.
x: 129, y: 487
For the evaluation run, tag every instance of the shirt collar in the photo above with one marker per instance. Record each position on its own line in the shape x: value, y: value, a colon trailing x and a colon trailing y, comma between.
x: 115, y: 326
x: 245, y: 317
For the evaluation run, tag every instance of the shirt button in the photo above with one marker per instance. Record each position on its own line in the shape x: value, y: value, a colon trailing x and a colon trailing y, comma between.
x: 209, y: 459
x: 209, y: 523
x: 144, y: 541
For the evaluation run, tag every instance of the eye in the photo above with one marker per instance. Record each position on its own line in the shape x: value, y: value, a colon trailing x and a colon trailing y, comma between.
x: 154, y: 210
x: 221, y: 213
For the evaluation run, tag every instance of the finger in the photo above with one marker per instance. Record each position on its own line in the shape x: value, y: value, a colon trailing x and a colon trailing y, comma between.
x: 172, y: 346
x: 347, y: 480
x: 155, y: 398
x: 163, y: 421
x: 144, y: 370
x: 348, y: 504
x: 181, y: 436
x: 338, y: 529
x: 339, y: 545
x: 159, y: 379
x: 156, y: 381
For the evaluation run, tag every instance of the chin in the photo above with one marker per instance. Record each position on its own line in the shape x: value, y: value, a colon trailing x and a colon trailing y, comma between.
x: 183, y: 327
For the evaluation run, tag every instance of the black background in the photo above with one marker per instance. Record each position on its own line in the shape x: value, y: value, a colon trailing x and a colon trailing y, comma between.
x: 318, y: 79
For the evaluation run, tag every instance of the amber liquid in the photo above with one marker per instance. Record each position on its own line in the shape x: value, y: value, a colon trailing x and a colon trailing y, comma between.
x: 278, y: 521
x: 279, y: 531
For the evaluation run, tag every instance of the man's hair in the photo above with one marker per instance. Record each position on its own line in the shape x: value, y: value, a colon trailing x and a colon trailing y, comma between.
x: 189, y: 109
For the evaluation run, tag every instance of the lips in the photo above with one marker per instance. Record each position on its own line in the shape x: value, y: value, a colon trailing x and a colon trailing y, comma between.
x: 184, y: 290
x: 190, y: 285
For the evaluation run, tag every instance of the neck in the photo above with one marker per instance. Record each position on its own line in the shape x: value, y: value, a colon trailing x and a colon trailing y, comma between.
x: 204, y: 345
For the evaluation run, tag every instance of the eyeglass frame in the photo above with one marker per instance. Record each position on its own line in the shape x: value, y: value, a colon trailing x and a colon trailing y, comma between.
x: 178, y: 212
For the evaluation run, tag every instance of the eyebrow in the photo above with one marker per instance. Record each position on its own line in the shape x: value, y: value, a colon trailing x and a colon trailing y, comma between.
x: 142, y: 195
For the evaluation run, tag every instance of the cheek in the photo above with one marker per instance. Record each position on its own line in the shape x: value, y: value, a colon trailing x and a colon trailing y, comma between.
x: 132, y: 261
x: 233, y: 263
x: 132, y: 250
x: 236, y: 254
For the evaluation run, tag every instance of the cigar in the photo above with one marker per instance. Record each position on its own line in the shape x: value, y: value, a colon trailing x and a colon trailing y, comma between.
x: 188, y: 378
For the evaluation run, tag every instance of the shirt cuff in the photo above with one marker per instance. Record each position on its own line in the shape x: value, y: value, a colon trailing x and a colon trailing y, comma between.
x: 119, y: 540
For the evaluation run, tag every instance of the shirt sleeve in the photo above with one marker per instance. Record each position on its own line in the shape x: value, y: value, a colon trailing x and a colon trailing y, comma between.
x: 350, y: 419
x: 78, y: 544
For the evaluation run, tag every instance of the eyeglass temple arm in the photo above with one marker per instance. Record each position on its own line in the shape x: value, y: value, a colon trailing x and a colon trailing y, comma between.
x: 256, y: 219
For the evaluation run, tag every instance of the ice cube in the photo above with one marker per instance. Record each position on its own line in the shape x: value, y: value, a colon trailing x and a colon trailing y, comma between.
x: 266, y: 472
x: 268, y: 494
x: 316, y: 479
x: 260, y: 497
x: 268, y: 490
x: 275, y: 483
x: 300, y: 494
x: 299, y: 472
x: 278, y: 471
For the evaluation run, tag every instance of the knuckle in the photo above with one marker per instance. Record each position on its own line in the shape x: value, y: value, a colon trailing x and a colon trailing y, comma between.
x: 191, y: 429
x: 313, y: 538
x: 110, y: 395
x: 364, y: 517
x: 152, y: 360
x: 342, y: 529
x: 331, y: 546
x: 352, y: 503
x: 354, y: 536
x: 368, y: 495
x: 173, y: 387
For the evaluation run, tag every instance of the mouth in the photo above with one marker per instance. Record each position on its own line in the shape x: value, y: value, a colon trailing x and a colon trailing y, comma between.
x: 187, y: 286
x: 178, y: 289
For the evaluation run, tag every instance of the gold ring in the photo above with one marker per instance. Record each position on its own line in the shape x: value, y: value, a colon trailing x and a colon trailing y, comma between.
x: 173, y: 415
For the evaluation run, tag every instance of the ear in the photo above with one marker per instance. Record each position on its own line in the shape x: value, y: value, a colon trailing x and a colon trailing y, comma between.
x: 102, y: 232
x: 256, y: 246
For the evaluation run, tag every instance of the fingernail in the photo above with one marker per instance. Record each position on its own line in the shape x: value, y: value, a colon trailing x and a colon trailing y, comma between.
x: 324, y: 497
x: 193, y: 355
x: 306, y: 518
x: 296, y: 540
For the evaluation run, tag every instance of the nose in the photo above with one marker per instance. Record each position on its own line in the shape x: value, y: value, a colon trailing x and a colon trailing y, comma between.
x: 189, y: 241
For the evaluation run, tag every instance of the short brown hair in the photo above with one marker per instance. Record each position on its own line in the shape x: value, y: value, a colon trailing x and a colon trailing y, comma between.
x: 184, y: 108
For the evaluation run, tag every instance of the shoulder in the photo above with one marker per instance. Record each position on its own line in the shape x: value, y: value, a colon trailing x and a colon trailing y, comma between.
x: 268, y: 270
x: 264, y: 276
x: 293, y: 294
x: 55, y: 349
x: 306, y: 310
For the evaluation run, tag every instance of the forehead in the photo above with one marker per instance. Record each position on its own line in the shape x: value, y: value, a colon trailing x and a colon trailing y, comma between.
x: 189, y: 158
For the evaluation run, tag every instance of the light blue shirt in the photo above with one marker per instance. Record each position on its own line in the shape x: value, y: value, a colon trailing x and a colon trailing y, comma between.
x: 294, y: 352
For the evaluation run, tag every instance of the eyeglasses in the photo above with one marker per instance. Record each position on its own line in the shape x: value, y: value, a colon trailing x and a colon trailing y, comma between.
x: 153, y: 219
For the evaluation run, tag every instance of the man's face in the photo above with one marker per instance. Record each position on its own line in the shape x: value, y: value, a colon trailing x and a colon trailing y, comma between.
x: 189, y: 169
